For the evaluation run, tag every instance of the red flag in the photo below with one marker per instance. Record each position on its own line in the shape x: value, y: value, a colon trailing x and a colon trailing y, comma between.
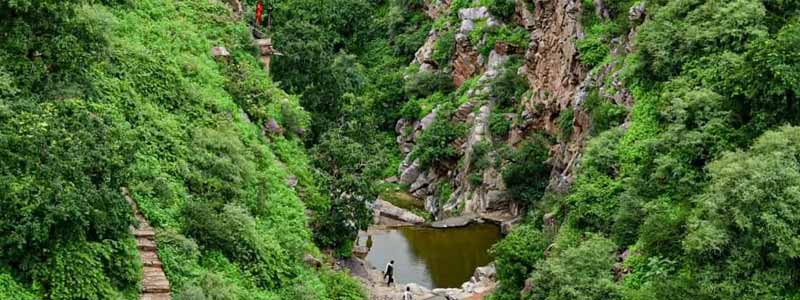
x: 259, y: 11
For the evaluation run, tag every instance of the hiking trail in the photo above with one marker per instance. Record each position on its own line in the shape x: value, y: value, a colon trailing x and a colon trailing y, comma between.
x: 154, y: 284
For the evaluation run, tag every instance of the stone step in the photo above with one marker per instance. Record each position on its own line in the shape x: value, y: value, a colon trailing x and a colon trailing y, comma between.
x: 154, y: 284
x: 155, y: 288
x: 140, y: 217
x: 155, y: 296
x: 149, y: 259
x: 153, y: 273
x: 145, y: 244
x: 144, y: 233
x: 143, y: 225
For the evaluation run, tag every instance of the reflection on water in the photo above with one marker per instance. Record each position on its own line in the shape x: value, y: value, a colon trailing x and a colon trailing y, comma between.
x: 435, y: 258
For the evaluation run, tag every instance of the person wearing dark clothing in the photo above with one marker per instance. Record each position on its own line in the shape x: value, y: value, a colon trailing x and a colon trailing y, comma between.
x: 388, y: 274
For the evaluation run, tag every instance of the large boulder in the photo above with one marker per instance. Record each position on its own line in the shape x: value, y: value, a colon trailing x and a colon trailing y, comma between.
x: 473, y: 13
x: 428, y: 120
x: 410, y: 174
x: 220, y: 53
x: 485, y: 272
x: 424, y: 55
x: 422, y: 181
x: 637, y: 12
x: 271, y: 127
x: 312, y: 261
x: 431, y: 204
x: 386, y: 209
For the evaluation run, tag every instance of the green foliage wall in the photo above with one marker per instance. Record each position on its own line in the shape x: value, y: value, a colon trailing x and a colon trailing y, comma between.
x: 125, y: 93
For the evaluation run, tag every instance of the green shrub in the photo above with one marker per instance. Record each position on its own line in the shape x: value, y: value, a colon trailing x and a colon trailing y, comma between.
x: 209, y: 286
x: 509, y: 34
x: 662, y: 230
x: 527, y: 173
x: 234, y: 232
x: 411, y: 110
x: 565, y: 120
x: 11, y: 289
x: 444, y: 48
x: 593, y: 47
x: 435, y: 144
x: 515, y: 257
x: 508, y: 87
x: 499, y: 125
x: 457, y: 5
x: 293, y: 118
x: 340, y: 286
x: 476, y: 35
x: 58, y: 193
x: 479, y: 159
x: 180, y: 256
x: 90, y: 271
x: 745, y: 219
x: 424, y: 83
x: 444, y: 192
x: 408, y: 29
x: 580, y: 272
x: 604, y: 114
x: 475, y: 178
x: 222, y: 166
x: 503, y: 9
x: 597, y: 182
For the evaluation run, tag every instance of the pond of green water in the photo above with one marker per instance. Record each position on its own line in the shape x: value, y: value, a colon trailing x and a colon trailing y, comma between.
x: 434, y: 258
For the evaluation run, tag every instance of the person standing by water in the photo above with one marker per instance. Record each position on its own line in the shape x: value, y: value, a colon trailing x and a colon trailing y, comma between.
x: 388, y: 273
x: 407, y: 294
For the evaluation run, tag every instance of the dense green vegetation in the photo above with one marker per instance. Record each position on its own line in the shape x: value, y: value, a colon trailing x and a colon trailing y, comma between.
x: 100, y: 95
x: 695, y: 199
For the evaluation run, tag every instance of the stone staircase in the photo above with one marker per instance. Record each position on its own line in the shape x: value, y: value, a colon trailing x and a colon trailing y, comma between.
x: 155, y: 285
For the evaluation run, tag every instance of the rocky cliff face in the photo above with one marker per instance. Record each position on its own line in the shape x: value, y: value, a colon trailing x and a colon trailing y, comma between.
x: 555, y: 75
x: 557, y: 80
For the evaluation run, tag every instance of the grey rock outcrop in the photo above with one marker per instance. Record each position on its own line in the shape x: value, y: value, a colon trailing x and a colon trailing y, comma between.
x: 386, y: 209
x: 410, y: 173
x: 220, y: 52
x: 637, y: 12
x: 424, y: 55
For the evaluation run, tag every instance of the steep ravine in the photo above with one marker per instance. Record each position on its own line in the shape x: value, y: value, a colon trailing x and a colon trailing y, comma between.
x: 557, y: 83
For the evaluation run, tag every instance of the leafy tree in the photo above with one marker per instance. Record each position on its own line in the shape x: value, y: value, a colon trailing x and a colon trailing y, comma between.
x: 527, y: 173
x: 744, y: 226
x: 64, y: 155
x: 351, y: 171
x: 515, y: 257
x: 581, y: 272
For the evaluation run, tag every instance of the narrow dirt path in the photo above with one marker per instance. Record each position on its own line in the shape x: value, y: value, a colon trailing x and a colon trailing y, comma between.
x: 155, y: 285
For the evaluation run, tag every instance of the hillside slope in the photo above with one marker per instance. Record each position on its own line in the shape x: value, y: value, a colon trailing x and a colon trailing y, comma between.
x: 110, y: 94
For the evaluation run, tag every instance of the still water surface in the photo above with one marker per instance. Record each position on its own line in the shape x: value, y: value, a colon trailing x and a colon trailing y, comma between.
x: 434, y: 258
